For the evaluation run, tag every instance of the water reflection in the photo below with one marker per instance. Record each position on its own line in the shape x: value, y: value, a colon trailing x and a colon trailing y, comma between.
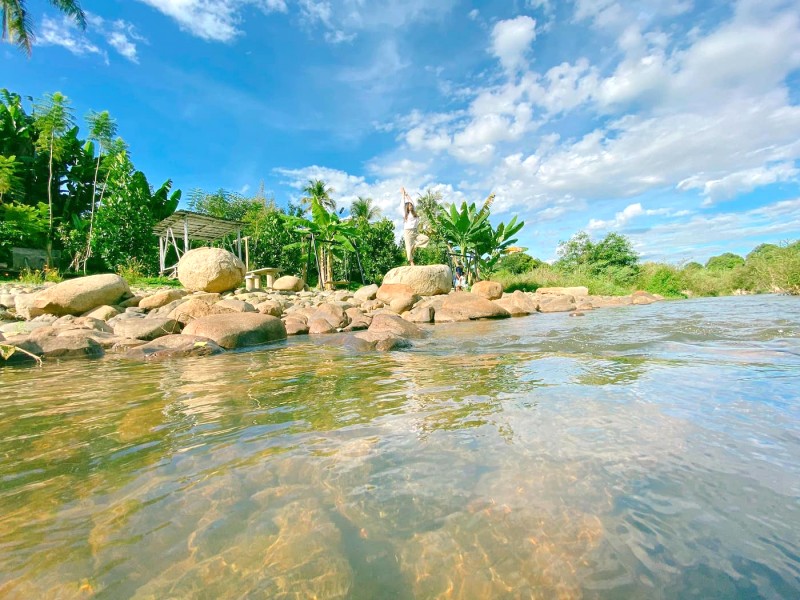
x: 544, y: 457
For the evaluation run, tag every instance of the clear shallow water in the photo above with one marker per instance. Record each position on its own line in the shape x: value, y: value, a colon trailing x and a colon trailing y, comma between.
x: 638, y: 452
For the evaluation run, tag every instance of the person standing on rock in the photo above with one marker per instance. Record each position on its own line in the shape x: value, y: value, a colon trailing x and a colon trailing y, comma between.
x: 411, y: 235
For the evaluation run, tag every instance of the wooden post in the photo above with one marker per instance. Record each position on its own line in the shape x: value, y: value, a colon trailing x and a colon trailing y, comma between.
x: 185, y: 234
x: 161, y: 257
x: 239, y: 243
x: 246, y: 241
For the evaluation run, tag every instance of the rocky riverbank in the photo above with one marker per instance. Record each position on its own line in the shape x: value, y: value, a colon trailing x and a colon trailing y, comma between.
x: 100, y: 314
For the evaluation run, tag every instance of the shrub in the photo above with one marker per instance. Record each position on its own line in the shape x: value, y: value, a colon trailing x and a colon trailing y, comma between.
x: 661, y: 279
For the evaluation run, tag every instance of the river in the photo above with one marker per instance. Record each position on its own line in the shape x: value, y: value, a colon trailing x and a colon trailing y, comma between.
x: 637, y: 452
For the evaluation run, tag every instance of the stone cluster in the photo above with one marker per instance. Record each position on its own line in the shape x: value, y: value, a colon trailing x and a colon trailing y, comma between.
x: 90, y: 316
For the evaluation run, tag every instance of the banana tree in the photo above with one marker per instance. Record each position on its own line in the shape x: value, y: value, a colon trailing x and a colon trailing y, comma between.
x: 495, y: 243
x: 463, y: 229
x: 469, y: 234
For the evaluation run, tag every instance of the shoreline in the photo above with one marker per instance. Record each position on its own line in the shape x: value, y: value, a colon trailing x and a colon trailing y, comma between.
x: 156, y: 323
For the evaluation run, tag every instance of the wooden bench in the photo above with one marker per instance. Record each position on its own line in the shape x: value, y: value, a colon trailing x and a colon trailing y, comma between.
x: 253, y: 277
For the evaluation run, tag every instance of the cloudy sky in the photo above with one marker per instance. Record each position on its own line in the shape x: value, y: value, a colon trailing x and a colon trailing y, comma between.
x: 675, y: 122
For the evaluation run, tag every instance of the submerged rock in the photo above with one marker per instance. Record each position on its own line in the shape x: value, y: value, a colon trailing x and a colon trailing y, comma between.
x: 385, y: 323
x: 175, y: 346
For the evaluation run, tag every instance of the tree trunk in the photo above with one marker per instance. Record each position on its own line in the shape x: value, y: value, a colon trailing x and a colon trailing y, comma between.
x: 49, y: 246
x: 91, y: 217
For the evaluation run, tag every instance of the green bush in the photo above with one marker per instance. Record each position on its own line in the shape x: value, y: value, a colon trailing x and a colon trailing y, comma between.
x: 661, y: 279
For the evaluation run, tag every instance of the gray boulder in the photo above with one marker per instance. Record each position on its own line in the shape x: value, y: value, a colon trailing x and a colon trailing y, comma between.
x: 174, y: 346
x: 147, y: 329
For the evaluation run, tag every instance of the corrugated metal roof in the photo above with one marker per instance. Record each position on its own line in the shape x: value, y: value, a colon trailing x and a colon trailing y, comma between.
x: 201, y: 227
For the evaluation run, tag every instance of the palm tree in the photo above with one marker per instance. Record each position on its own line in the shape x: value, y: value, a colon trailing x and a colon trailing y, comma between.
x: 16, y: 21
x: 362, y: 209
x: 319, y: 191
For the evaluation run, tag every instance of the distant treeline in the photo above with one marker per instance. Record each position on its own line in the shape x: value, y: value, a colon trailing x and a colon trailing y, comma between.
x: 612, y: 267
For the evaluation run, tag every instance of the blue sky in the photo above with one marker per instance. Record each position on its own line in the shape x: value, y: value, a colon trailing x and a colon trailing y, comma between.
x: 675, y: 122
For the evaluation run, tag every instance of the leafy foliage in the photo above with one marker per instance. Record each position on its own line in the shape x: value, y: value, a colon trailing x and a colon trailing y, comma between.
x: 517, y: 263
x: 613, y: 254
x: 724, y: 262
x: 469, y: 234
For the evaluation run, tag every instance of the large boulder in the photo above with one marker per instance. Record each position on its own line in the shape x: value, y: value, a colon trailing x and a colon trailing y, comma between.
x: 556, y: 303
x: 491, y: 290
x: 466, y: 306
x: 79, y: 295
x: 288, y: 283
x: 174, y: 346
x: 518, y: 303
x: 238, y: 330
x: 426, y: 280
x: 210, y: 270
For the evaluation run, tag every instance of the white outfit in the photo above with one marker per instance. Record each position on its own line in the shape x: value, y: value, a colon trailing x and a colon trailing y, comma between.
x: 410, y: 224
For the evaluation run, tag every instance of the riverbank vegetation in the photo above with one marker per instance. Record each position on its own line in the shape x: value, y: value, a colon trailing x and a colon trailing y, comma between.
x: 80, y: 199
x: 611, y: 267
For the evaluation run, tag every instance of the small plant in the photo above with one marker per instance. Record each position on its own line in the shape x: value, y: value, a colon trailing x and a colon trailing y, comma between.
x: 31, y: 276
x: 132, y: 271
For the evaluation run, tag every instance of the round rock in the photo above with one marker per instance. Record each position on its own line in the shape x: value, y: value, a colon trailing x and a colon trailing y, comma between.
x: 210, y: 270
x: 425, y: 280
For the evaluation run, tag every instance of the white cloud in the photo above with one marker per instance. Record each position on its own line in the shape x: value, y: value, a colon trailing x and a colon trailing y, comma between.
x: 213, y: 20
x: 119, y: 34
x: 511, y: 41
x: 64, y: 32
x: 474, y: 14
x: 729, y: 186
x: 384, y: 191
x: 720, y: 232
x: 344, y: 19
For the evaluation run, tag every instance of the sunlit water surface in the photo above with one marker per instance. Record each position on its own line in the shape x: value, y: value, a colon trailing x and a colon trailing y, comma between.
x: 638, y: 452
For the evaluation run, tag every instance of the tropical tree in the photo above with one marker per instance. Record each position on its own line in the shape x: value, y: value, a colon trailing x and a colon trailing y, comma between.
x: 102, y: 129
x: 16, y: 20
x: 331, y: 235
x: 363, y: 209
x: 319, y: 191
x: 53, y: 122
x: 9, y: 180
x: 470, y: 236
x: 125, y: 221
